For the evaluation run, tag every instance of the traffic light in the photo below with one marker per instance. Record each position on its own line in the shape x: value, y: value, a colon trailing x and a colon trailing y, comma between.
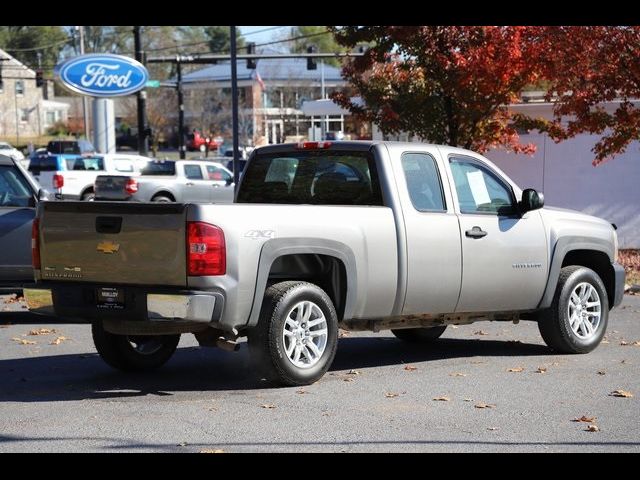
x: 311, y: 62
x: 251, y: 62
x: 39, y: 78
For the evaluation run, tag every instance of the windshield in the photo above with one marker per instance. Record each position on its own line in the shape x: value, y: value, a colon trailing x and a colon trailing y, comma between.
x: 317, y: 178
x: 14, y: 189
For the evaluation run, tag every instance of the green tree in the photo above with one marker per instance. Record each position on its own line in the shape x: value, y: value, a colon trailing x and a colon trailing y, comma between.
x: 321, y: 37
x: 25, y: 42
x: 220, y: 39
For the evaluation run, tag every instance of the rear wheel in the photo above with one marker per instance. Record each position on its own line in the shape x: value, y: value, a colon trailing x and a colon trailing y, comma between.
x: 89, y: 197
x: 577, y: 318
x: 296, y: 338
x: 161, y: 199
x: 419, y: 335
x: 133, y: 352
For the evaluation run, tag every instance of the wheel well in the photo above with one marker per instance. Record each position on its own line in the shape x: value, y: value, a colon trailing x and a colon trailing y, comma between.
x: 164, y: 194
x: 325, y: 271
x: 598, y: 262
x: 89, y: 189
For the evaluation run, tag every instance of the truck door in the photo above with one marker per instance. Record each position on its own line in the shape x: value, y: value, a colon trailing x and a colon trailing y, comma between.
x: 221, y: 181
x: 504, y: 254
x: 195, y: 188
x: 433, y: 235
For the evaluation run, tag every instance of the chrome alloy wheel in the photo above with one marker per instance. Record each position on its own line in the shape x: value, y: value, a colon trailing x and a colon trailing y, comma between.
x: 584, y: 310
x: 305, y: 334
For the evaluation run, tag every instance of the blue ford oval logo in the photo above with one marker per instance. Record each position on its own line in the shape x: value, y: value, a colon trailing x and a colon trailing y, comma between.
x: 102, y: 75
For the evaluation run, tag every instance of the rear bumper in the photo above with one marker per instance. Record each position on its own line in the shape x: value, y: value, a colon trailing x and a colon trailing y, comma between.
x: 79, y: 302
x: 619, y: 278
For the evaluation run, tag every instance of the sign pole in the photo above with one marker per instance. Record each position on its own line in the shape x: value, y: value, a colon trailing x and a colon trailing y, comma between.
x: 234, y: 105
x: 143, y: 140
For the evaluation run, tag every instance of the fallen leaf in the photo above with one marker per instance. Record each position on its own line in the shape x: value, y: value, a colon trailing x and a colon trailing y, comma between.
x: 268, y: 405
x: 457, y: 374
x: 182, y: 444
x: 212, y: 409
x: 484, y: 405
x: 468, y: 399
x: 541, y: 370
x: 42, y: 331
x: 621, y: 393
x: 592, y: 428
x: 605, y: 341
x: 493, y: 428
x: 585, y: 419
x: 454, y: 326
x: 636, y: 343
x: 347, y: 379
x: 480, y: 332
x: 410, y: 368
x: 343, y: 333
x: 301, y: 392
x: 442, y: 399
x: 391, y: 395
x: 353, y: 372
x: 212, y: 450
x: 477, y: 362
x: 22, y: 341
x: 515, y: 369
x: 58, y: 340
x: 623, y: 343
x: 601, y: 372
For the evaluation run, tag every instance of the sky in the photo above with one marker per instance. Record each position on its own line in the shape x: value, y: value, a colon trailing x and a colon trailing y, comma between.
x: 261, y: 34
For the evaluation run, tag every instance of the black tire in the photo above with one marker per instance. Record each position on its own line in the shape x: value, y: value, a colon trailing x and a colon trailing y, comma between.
x: 554, y: 323
x: 419, y: 335
x: 162, y: 199
x: 88, y: 197
x: 118, y: 351
x: 266, y: 343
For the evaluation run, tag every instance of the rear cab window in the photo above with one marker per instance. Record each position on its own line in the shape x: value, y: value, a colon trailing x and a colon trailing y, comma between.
x: 157, y: 168
x: 312, y: 177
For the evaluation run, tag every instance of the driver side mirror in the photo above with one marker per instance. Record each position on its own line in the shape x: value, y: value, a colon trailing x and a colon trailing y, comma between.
x: 229, y: 181
x: 531, y: 200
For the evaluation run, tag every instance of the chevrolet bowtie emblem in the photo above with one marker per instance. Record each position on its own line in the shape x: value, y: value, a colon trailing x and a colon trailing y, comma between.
x: 108, y: 247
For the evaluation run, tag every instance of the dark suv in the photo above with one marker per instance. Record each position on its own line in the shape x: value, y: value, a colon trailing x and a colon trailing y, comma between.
x: 73, y: 147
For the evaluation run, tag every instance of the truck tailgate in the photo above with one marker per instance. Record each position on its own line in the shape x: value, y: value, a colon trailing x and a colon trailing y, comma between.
x: 111, y: 187
x: 119, y: 242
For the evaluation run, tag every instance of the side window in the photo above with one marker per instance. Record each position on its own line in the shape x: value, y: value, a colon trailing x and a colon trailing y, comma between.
x: 480, y: 190
x: 123, y: 165
x: 193, y: 172
x: 216, y: 173
x: 423, y: 182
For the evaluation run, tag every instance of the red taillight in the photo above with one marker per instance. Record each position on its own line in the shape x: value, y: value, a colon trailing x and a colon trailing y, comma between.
x: 35, y: 244
x: 314, y: 145
x: 58, y: 181
x: 131, y: 186
x: 206, y: 250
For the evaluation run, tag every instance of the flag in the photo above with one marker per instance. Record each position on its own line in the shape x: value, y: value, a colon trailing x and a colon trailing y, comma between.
x: 259, y: 79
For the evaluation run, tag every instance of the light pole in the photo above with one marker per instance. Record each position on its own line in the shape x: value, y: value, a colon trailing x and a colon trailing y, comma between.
x: 85, y: 106
x: 234, y: 105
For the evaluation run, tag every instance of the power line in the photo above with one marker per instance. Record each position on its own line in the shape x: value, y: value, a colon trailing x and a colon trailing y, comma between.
x: 33, y: 49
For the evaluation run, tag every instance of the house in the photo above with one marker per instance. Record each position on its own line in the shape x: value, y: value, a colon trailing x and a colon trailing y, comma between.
x: 26, y: 111
x: 270, y: 98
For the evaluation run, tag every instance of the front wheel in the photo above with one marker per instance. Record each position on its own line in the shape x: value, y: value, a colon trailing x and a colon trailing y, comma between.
x: 296, y: 338
x: 133, y: 352
x: 577, y: 318
x: 419, y: 335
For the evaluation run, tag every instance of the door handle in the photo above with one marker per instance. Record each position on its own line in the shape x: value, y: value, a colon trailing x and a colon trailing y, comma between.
x: 189, y: 184
x: 215, y: 185
x: 475, y: 232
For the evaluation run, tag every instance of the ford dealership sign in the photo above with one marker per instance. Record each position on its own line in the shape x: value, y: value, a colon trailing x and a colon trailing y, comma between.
x: 102, y: 75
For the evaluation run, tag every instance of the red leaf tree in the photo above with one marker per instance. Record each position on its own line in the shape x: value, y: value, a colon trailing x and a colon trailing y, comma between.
x: 447, y: 85
x: 588, y: 67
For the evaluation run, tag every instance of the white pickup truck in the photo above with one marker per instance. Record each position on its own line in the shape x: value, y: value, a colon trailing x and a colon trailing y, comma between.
x: 73, y: 178
x: 360, y: 235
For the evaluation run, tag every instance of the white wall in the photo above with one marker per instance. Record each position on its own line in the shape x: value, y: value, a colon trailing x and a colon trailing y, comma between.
x: 564, y: 173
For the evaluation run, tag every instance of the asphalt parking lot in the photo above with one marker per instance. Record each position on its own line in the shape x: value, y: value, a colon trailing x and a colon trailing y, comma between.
x: 489, y: 387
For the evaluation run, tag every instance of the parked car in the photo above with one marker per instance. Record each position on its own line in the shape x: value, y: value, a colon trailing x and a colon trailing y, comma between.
x: 197, y: 141
x: 72, y: 177
x: 8, y: 150
x: 18, y: 196
x: 359, y: 235
x: 184, y: 181
x: 71, y: 147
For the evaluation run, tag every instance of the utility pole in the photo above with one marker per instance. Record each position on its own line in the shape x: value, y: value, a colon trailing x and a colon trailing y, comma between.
x: 323, y: 125
x: 143, y: 141
x: 234, y: 105
x: 85, y: 100
x: 181, y: 146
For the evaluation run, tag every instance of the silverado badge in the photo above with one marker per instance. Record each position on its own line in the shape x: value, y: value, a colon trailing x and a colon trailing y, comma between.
x: 108, y: 247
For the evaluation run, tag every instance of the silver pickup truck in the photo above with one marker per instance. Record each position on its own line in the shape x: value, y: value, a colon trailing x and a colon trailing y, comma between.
x: 357, y: 235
